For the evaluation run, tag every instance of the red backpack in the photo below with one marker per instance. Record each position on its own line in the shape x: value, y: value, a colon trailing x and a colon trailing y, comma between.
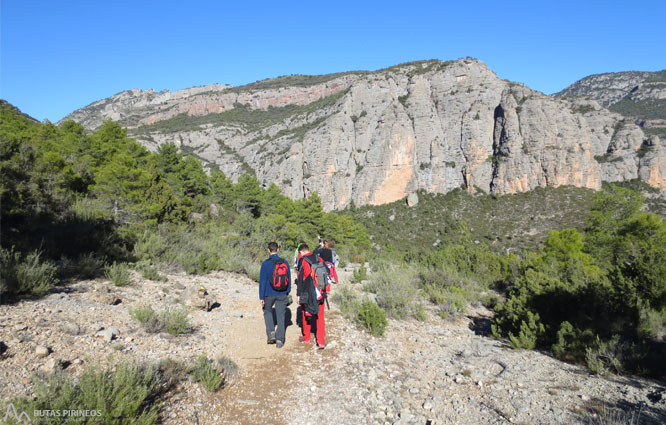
x: 280, y: 279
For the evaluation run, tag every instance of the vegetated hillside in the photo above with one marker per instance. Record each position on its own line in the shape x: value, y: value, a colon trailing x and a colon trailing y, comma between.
x: 637, y: 95
x: 95, y: 202
x: 372, y: 138
x: 506, y: 224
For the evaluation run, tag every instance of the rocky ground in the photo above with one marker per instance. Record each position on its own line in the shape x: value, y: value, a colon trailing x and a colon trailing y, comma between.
x: 432, y: 372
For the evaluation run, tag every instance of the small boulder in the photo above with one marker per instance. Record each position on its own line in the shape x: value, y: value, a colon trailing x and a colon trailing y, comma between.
x: 105, y: 298
x: 42, y: 351
x: 213, y: 210
x: 71, y: 328
x: 412, y: 199
x: 52, y: 365
x: 108, y: 334
x: 196, y: 217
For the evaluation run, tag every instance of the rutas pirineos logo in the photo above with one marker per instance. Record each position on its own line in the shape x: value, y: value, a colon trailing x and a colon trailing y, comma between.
x: 12, y: 413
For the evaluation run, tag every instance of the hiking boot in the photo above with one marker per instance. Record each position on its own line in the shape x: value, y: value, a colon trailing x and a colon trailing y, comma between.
x: 279, y: 344
x: 321, y: 346
x: 302, y: 339
x: 271, y: 339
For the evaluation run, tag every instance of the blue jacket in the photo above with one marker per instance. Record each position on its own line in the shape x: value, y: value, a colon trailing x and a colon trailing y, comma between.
x: 265, y: 288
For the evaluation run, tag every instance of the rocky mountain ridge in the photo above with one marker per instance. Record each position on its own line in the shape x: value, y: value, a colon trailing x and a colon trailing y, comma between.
x: 608, y: 88
x: 375, y: 137
x: 640, y: 96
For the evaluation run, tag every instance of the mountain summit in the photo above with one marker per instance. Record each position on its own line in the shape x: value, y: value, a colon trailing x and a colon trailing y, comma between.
x: 375, y: 137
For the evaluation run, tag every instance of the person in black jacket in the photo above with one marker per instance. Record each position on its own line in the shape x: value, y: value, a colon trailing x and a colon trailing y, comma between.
x: 326, y: 252
x: 319, y: 248
x: 303, y: 282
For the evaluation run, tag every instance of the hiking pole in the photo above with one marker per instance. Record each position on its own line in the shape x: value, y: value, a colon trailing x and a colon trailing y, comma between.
x: 327, y: 304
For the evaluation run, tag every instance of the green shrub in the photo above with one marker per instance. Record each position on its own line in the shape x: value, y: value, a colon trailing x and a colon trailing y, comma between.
x: 117, y: 273
x: 419, y: 312
x: 528, y: 333
x: 172, y: 372
x: 253, y: 270
x: 25, y: 275
x: 596, y: 298
x: 142, y: 313
x: 652, y: 323
x: 176, y: 321
x: 145, y: 315
x: 122, y: 395
x: 348, y: 301
x: 453, y: 299
x: 489, y: 299
x: 603, y: 358
x: 89, y: 265
x: 360, y: 274
x: 172, y: 320
x: 150, y: 272
x: 207, y: 374
x: 396, y: 290
x: 572, y: 343
x: 372, y: 317
x: 228, y: 366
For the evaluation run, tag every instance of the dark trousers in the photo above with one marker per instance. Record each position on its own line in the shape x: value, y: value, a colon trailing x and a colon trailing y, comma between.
x: 280, y: 309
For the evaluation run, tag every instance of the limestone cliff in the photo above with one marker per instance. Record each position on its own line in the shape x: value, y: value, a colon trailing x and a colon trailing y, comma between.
x: 374, y: 137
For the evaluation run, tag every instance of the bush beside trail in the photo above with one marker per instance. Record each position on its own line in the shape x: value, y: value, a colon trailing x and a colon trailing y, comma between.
x: 597, y: 297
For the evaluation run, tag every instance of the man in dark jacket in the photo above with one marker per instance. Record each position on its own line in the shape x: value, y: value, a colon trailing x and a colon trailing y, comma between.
x: 274, y: 288
x: 303, y: 282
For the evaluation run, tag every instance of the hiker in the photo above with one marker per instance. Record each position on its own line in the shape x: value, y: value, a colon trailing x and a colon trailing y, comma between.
x: 297, y: 256
x: 327, y: 253
x: 320, y: 247
x: 274, y: 288
x: 311, y: 296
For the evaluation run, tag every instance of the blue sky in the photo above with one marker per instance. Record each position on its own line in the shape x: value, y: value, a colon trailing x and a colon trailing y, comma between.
x: 57, y: 56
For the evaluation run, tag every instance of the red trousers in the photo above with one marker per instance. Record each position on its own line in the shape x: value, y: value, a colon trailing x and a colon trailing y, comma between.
x: 320, y: 327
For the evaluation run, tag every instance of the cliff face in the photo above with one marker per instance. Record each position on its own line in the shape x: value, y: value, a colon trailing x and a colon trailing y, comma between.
x: 373, y: 138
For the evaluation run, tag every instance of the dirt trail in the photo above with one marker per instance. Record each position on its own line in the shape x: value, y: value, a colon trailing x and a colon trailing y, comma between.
x: 263, y: 391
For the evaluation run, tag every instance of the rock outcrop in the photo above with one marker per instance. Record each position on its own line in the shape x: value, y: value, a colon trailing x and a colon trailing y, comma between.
x: 640, y: 96
x: 608, y: 88
x: 375, y: 137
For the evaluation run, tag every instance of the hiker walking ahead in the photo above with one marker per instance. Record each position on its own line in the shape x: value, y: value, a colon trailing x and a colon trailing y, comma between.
x: 312, y: 285
x: 327, y: 253
x: 297, y: 255
x: 274, y: 287
x: 320, y: 247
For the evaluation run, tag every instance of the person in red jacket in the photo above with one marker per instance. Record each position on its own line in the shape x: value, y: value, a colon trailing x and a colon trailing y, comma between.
x: 303, y: 280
